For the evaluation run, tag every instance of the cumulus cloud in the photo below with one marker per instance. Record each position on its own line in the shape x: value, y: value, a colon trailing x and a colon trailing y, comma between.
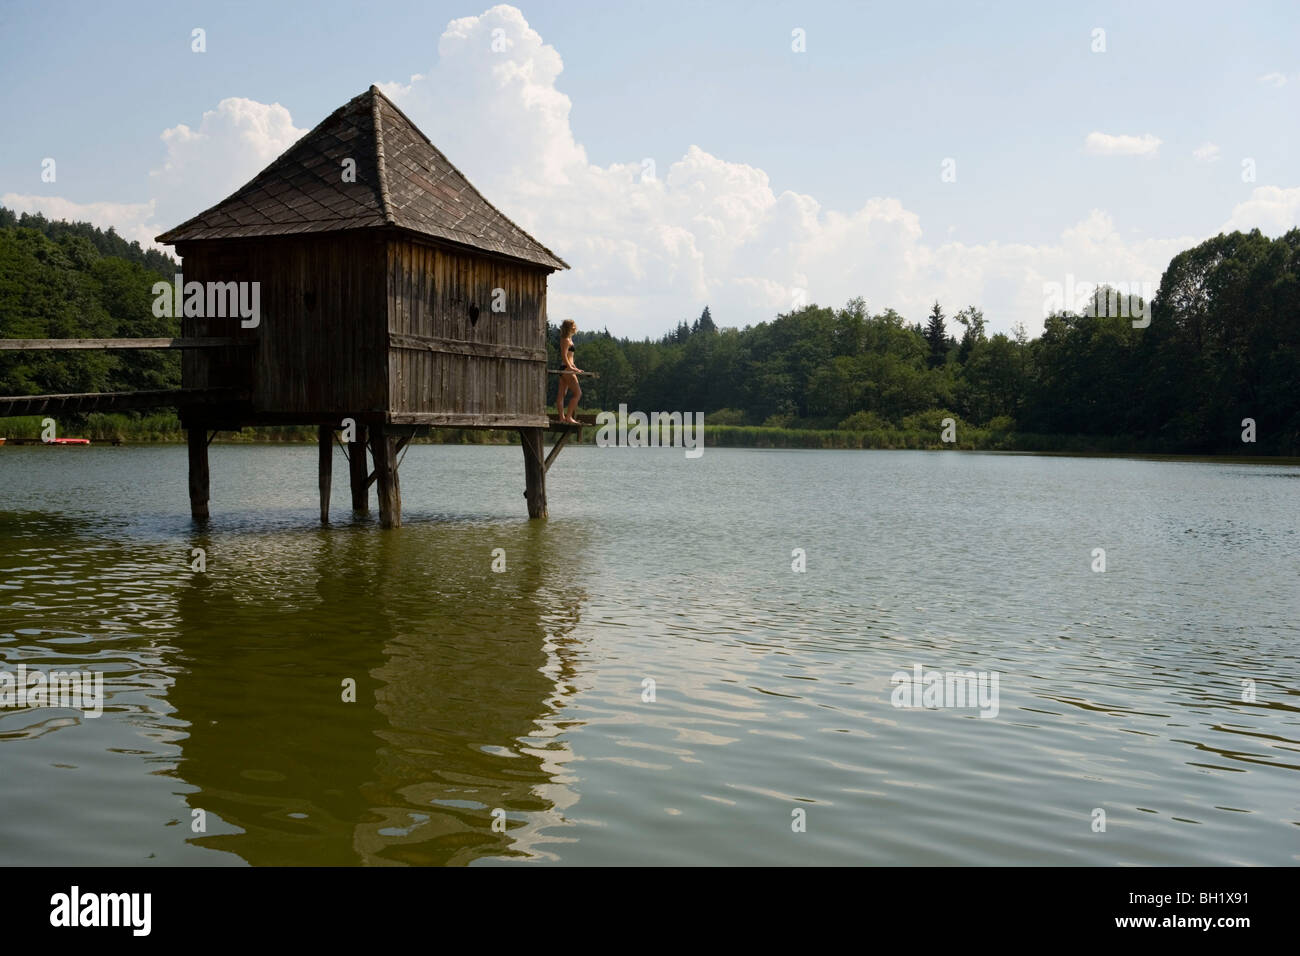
x: 1270, y: 209
x: 648, y: 250
x: 200, y: 167
x: 131, y: 220
x: 231, y: 145
x: 1103, y: 144
x: 1207, y: 153
x: 1273, y: 79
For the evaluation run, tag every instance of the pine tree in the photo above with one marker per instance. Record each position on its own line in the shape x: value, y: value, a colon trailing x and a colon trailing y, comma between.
x: 937, y: 337
x: 705, y: 323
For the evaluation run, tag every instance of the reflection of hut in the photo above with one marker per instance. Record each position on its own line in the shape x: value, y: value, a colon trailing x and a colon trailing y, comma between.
x: 410, y: 772
x: 391, y: 293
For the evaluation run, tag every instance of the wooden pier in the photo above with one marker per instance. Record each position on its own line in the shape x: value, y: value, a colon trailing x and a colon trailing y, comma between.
x: 392, y: 299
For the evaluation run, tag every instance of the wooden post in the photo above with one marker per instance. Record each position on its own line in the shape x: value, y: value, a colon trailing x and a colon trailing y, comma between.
x: 325, y: 443
x: 198, y: 442
x: 383, y: 449
x: 555, y: 449
x: 358, y: 472
x: 534, y: 471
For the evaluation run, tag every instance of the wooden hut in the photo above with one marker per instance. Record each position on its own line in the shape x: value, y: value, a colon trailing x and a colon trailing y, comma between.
x: 392, y: 298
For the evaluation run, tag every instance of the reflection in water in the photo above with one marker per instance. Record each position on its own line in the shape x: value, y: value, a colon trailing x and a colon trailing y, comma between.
x: 1166, y: 690
x: 458, y: 674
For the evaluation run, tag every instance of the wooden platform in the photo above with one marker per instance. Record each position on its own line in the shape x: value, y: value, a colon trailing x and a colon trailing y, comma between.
x: 124, y: 345
x: 584, y: 421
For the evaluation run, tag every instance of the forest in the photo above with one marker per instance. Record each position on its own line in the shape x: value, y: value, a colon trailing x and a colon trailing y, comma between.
x: 1222, y: 345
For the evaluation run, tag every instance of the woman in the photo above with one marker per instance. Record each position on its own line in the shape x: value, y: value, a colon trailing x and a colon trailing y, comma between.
x: 568, y: 380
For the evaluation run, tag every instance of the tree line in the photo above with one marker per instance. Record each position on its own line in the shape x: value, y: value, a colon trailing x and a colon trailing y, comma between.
x: 1222, y: 345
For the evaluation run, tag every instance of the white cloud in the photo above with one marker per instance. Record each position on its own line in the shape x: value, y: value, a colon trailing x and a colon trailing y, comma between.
x: 1103, y: 144
x: 232, y: 144
x: 1270, y: 209
x: 707, y: 229
x: 497, y: 107
x: 1273, y: 79
x: 1207, y: 153
x: 131, y: 220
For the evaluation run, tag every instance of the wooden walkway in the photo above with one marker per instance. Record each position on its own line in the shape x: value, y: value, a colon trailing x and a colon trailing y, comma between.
x: 114, y: 401
x: 116, y: 345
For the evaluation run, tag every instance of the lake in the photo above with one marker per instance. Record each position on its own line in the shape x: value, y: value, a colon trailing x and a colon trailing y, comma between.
x: 649, y: 680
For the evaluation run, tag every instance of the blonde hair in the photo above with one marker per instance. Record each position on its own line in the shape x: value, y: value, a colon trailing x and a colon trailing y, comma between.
x: 568, y: 327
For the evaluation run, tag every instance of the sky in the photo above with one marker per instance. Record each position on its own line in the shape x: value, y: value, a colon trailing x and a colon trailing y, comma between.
x: 751, y: 157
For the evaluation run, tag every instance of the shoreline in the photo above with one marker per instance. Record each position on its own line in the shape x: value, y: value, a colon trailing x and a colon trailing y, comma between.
x: 769, y: 439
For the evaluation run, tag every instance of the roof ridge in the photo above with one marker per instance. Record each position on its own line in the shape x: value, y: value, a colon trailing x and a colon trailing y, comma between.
x: 384, y: 198
x: 454, y: 168
x: 412, y: 186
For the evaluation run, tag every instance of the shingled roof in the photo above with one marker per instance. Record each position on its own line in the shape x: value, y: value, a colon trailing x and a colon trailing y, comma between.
x: 402, y: 180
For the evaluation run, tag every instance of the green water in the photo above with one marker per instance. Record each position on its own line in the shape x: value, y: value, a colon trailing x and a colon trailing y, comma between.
x: 524, y: 691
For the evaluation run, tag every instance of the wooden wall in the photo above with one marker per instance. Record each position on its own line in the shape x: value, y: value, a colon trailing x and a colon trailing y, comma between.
x: 214, y: 367
x: 320, y: 350
x: 375, y: 325
x: 445, y: 368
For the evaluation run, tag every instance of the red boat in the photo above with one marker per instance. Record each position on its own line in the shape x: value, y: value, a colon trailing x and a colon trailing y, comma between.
x: 68, y: 441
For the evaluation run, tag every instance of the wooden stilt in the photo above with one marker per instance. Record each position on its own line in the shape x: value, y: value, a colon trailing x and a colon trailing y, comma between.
x: 325, y: 444
x: 555, y: 449
x: 534, y: 471
x: 198, y: 442
x: 383, y: 449
x: 358, y: 472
